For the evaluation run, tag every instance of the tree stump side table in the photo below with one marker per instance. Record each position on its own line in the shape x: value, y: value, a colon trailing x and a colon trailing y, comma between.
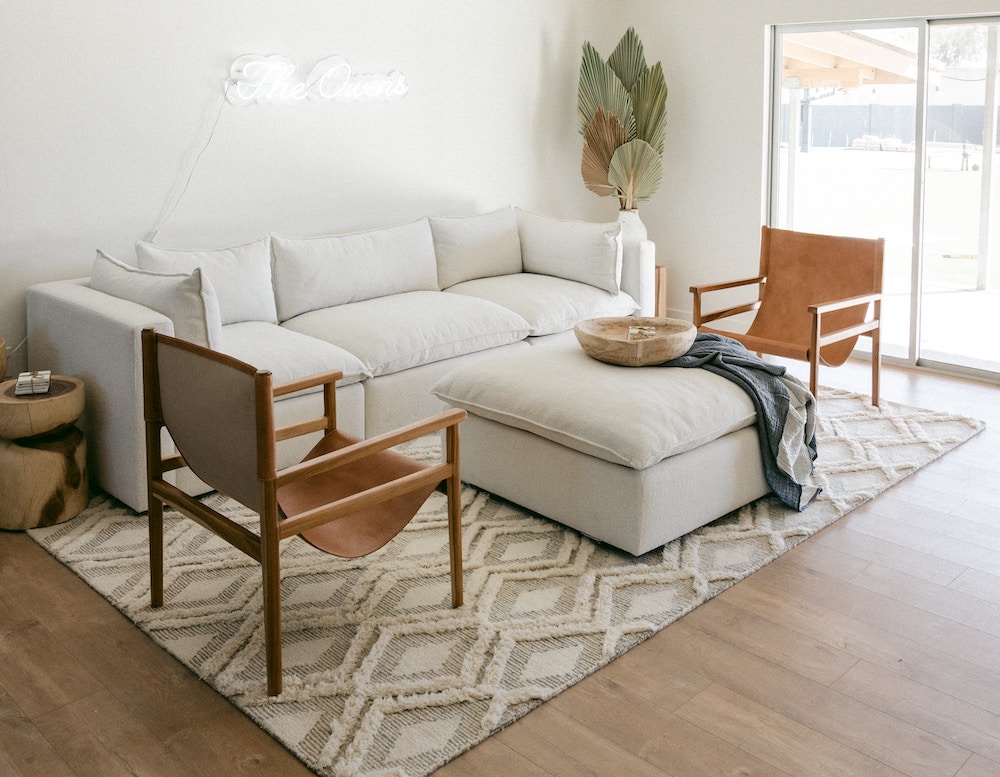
x: 43, y: 456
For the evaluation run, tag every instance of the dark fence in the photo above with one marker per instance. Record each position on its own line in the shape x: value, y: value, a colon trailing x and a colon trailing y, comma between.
x: 840, y: 125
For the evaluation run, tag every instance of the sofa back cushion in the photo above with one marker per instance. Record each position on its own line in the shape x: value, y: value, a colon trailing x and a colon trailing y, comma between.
x: 473, y: 247
x: 582, y: 251
x: 187, y: 299
x: 312, y: 273
x: 241, y: 276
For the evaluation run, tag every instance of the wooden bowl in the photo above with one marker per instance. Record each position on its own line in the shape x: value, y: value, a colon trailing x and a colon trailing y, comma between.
x: 635, y: 341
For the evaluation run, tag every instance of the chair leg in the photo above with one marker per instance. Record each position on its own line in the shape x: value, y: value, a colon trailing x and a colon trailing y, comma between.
x: 814, y: 354
x: 876, y: 367
x: 271, y: 573
x: 455, y: 539
x: 155, y: 524
x: 454, y: 491
x: 814, y: 374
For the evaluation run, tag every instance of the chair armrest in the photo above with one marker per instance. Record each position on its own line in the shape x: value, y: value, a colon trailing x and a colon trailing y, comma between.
x: 363, y: 448
x: 726, y: 285
x: 819, y: 339
x: 840, y: 304
x: 700, y: 318
x: 324, y: 423
x: 307, y: 382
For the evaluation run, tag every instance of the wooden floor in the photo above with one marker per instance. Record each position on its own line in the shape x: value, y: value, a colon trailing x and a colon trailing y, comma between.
x: 871, y: 649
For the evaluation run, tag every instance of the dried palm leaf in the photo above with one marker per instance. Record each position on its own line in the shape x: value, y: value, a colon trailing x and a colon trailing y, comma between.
x: 649, y: 105
x: 636, y: 171
x: 628, y: 60
x: 604, y: 134
x: 621, y: 112
x: 601, y: 88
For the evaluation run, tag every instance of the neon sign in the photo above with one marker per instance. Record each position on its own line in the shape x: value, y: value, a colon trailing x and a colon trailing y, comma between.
x: 256, y: 78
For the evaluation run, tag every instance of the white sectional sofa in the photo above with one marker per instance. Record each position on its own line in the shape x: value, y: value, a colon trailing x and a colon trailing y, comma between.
x: 394, y: 309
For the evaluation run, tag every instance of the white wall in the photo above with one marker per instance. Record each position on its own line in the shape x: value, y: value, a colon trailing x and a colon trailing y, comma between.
x: 105, y: 103
x: 706, y: 217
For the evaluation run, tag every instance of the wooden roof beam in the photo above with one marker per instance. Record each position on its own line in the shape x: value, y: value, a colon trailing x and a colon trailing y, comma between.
x: 831, y: 77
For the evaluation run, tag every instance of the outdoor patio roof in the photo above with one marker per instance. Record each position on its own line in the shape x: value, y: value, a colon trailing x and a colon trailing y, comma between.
x: 843, y: 59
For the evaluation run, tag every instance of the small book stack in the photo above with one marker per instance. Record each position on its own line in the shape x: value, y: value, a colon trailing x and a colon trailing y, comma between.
x: 33, y: 383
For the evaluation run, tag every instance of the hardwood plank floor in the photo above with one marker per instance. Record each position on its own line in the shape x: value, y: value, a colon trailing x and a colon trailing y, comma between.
x: 873, y: 648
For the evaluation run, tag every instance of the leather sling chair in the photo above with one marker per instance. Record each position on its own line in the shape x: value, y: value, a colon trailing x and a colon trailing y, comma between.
x: 348, y: 497
x: 816, y: 294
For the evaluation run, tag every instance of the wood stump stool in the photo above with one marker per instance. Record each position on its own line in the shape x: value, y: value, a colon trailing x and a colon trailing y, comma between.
x: 43, y: 456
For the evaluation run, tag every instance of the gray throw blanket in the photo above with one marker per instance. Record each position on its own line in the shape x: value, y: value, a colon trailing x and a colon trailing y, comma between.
x: 786, y: 413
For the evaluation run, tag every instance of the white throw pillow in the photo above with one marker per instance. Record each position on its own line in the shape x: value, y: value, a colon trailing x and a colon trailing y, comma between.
x: 312, y: 273
x: 582, y: 251
x: 188, y: 300
x: 241, y: 276
x: 473, y: 247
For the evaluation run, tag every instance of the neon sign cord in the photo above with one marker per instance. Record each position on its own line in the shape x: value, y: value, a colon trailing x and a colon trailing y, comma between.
x: 194, y: 166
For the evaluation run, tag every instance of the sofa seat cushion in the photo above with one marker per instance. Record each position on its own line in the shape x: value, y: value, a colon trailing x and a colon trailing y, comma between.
x: 288, y: 355
x: 549, y: 304
x: 634, y: 416
x: 394, y: 333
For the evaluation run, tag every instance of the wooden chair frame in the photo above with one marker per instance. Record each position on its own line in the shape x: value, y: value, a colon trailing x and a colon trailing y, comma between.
x: 818, y: 338
x: 263, y: 546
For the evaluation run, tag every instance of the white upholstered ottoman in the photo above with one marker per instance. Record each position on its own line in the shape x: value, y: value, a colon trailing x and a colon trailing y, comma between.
x: 631, y: 456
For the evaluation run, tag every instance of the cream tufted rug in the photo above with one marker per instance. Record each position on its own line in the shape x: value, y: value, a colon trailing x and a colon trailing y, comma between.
x: 382, y: 677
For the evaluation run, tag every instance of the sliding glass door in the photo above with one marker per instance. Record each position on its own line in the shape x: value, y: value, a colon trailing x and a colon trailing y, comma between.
x: 960, y: 281
x: 883, y: 131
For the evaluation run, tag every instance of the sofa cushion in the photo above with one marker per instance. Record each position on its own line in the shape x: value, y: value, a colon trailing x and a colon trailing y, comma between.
x: 241, y: 275
x: 187, y: 299
x: 634, y: 416
x: 288, y: 355
x: 396, y: 332
x: 547, y: 303
x: 312, y: 273
x: 476, y: 246
x: 577, y: 250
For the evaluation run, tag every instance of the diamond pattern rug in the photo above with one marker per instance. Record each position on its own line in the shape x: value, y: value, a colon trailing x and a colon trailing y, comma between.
x: 382, y: 677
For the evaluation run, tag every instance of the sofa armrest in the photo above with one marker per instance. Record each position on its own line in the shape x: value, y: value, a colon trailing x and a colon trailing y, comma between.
x: 76, y: 330
x: 639, y: 274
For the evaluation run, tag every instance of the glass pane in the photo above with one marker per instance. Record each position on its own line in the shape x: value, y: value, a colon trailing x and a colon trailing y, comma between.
x: 846, y: 161
x: 960, y: 310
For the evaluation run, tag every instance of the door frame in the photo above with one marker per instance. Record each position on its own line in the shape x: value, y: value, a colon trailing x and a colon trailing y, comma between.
x: 772, y: 166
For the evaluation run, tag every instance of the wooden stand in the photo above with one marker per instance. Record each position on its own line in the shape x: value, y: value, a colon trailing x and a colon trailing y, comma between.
x: 660, y: 305
x: 43, y: 456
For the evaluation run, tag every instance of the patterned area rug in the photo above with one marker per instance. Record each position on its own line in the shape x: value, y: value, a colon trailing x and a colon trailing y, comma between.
x: 382, y: 677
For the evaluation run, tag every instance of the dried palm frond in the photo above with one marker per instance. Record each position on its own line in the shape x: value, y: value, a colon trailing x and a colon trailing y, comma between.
x: 622, y: 102
x: 601, y: 88
x: 604, y: 134
x: 636, y: 171
x: 649, y: 105
x: 628, y: 60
